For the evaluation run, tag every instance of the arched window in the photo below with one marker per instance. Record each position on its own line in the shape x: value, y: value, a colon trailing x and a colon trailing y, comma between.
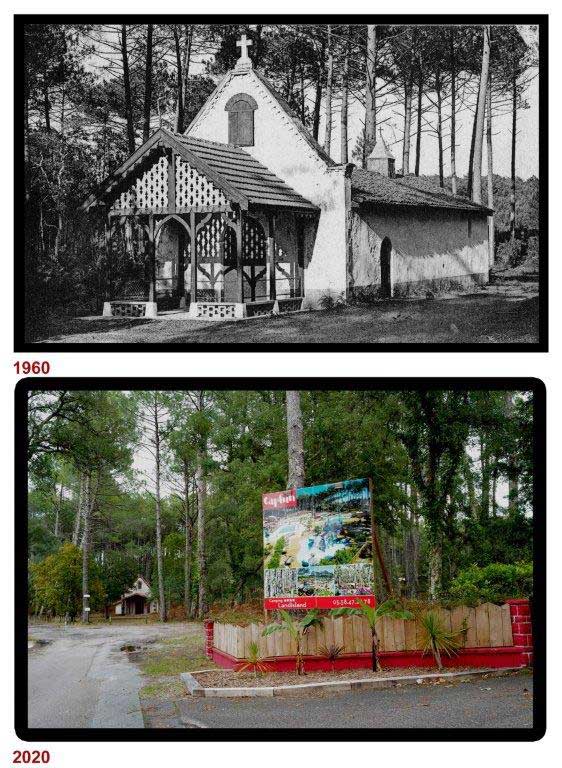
x: 241, y: 110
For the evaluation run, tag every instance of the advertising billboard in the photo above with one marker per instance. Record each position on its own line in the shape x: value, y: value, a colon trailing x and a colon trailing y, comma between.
x: 317, y: 546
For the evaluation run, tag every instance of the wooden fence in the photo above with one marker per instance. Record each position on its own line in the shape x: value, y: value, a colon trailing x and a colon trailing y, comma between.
x: 488, y: 625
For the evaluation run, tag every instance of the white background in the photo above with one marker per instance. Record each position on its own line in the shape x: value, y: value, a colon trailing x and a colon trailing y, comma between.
x: 347, y: 365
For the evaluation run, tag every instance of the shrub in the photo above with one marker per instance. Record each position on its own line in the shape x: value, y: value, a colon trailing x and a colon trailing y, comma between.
x: 510, y: 253
x: 330, y: 303
x: 493, y: 583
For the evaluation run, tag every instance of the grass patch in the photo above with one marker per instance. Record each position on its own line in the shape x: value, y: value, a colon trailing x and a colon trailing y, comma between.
x: 172, y: 665
x: 169, y: 689
x: 174, y: 655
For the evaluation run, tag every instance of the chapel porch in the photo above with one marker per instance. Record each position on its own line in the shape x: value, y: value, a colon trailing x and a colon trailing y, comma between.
x: 202, y: 227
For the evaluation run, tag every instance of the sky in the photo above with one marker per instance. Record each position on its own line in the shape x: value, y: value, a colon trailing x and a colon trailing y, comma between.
x: 527, y: 156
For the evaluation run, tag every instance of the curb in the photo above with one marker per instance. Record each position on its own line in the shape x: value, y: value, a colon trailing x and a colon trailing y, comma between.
x: 196, y: 689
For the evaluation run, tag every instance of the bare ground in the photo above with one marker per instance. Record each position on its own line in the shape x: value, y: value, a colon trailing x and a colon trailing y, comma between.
x: 503, y: 312
x: 224, y: 678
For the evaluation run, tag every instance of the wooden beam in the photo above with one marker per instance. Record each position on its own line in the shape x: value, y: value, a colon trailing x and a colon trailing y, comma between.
x: 172, y: 181
x: 152, y: 258
x: 239, y: 267
x: 193, y: 285
x: 271, y: 256
x: 300, y: 255
x: 107, y: 248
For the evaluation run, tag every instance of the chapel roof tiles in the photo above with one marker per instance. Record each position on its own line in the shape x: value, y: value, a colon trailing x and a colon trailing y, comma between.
x: 410, y: 191
x: 246, y: 174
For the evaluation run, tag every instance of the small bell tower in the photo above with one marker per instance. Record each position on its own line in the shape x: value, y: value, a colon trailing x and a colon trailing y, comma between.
x: 381, y: 160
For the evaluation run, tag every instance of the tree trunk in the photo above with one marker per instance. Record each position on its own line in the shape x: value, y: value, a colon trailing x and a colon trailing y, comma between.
x: 439, y: 127
x: 179, y: 83
x: 147, y: 84
x: 329, y: 85
x: 512, y: 479
x: 344, y: 157
x: 486, y: 478
x: 201, y: 503
x: 47, y: 108
x: 470, y: 491
x: 490, y: 156
x: 188, y: 30
x: 86, y: 548
x: 188, y: 543
x: 453, y: 114
x: 58, y: 512
x: 127, y: 88
x: 302, y: 95
x: 513, y: 152
x: 159, y: 557
x: 435, y: 564
x: 318, y: 96
x: 296, y: 476
x: 479, y: 119
x: 370, y: 93
x: 470, y: 185
x: 375, y: 664
x: 407, y: 124
x: 419, y: 116
x: 78, y: 518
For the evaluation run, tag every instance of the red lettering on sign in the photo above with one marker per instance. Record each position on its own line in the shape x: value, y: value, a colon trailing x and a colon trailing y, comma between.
x: 280, y: 500
x: 325, y: 602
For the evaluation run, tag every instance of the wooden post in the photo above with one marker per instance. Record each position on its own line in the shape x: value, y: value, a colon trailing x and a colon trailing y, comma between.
x: 108, y: 265
x: 239, y: 265
x: 181, y: 262
x: 193, y: 234
x: 377, y: 552
x: 271, y: 256
x: 300, y: 258
x: 151, y: 259
x: 172, y: 182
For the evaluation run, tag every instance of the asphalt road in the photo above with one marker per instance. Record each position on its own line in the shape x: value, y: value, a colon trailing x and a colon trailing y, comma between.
x: 503, y: 702
x: 81, y: 679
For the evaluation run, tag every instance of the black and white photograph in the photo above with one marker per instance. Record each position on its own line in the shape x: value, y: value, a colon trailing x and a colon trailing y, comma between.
x: 302, y: 186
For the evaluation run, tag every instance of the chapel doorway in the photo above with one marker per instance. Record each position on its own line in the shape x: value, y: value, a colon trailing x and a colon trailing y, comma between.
x: 386, y: 263
x: 172, y: 247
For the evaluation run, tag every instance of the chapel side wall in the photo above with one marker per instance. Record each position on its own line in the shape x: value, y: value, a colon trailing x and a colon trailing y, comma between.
x: 280, y: 146
x: 430, y: 249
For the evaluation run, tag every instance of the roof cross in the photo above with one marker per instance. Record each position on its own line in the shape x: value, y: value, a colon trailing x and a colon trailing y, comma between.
x: 244, y: 44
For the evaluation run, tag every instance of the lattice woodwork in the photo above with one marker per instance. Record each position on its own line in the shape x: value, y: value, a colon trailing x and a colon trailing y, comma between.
x: 210, y: 238
x: 127, y: 309
x: 261, y: 309
x: 148, y: 191
x: 216, y: 311
x: 254, y: 242
x: 193, y: 190
x: 289, y: 305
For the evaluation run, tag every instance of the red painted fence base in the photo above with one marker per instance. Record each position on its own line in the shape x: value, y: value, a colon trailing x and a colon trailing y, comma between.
x: 520, y: 654
x: 494, y: 658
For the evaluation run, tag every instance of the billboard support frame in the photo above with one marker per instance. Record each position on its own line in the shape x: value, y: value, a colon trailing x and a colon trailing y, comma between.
x: 377, y: 551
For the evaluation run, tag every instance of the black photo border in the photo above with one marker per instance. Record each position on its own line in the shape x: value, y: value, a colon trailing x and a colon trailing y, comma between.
x: 20, y: 343
x: 25, y: 386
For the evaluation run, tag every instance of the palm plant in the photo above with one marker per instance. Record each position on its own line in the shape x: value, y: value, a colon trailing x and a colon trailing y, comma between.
x: 332, y: 653
x: 297, y: 630
x: 437, y: 639
x: 254, y: 660
x: 390, y: 608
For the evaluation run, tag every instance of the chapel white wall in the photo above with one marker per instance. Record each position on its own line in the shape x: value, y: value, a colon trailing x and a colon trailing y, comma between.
x: 281, y: 147
x: 428, y: 246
